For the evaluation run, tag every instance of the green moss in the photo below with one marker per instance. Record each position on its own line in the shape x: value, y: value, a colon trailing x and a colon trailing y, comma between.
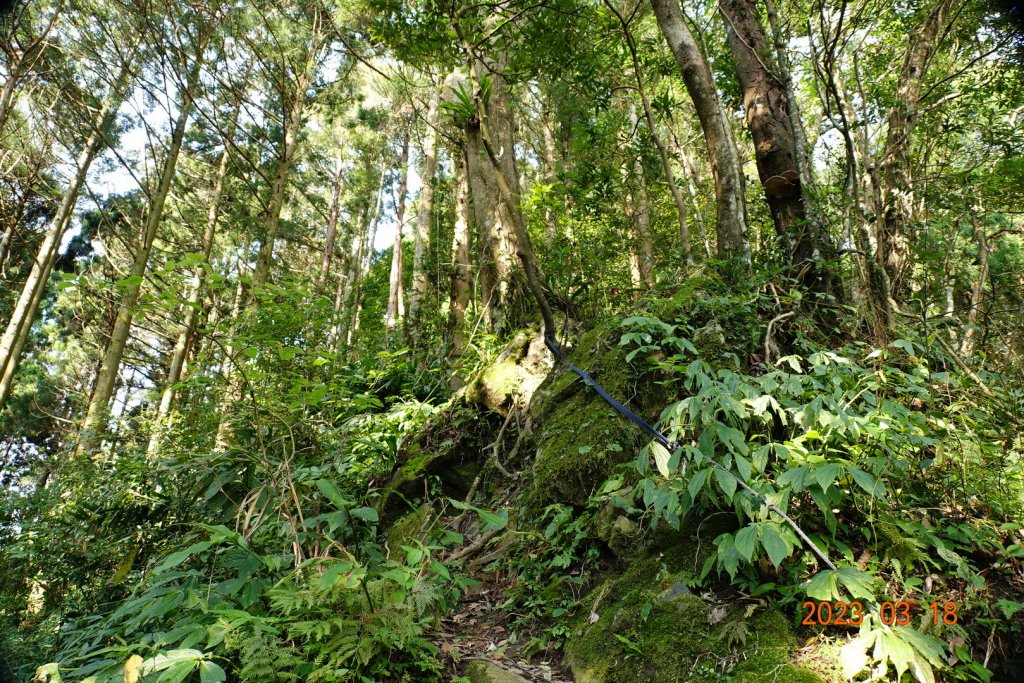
x: 482, y: 671
x: 408, y: 527
x: 447, y: 449
x: 704, y: 283
x: 581, y: 439
x: 676, y: 641
x: 497, y: 385
x: 578, y: 449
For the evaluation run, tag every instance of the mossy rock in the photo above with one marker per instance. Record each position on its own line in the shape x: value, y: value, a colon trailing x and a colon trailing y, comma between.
x: 682, y: 638
x: 447, y: 450
x: 483, y: 671
x: 519, y: 369
x: 726, y: 324
x: 581, y: 440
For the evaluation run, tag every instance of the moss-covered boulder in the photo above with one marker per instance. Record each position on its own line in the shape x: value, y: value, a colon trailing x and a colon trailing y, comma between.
x: 446, y: 453
x: 581, y: 440
x: 514, y: 375
x: 646, y: 626
x: 409, y: 528
x: 483, y: 671
x: 726, y: 325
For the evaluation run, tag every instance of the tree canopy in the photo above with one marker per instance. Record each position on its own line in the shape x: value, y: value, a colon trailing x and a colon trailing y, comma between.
x: 277, y: 280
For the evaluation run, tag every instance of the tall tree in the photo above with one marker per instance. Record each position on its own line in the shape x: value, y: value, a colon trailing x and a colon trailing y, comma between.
x: 106, y: 376
x: 424, y: 212
x: 20, y: 323
x: 726, y: 166
x: 186, y: 332
x: 897, y: 179
x: 396, y: 296
x: 771, y: 123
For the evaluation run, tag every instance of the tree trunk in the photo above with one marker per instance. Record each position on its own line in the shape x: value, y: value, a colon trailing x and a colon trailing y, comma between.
x: 967, y: 344
x: 229, y: 373
x: 725, y: 161
x: 496, y: 213
x: 461, y: 273
x: 396, y: 304
x: 518, y: 237
x: 877, y: 302
x: 803, y: 163
x: 22, y: 316
x: 550, y: 176
x: 361, y: 266
x: 286, y: 154
x: 642, y: 225
x: 666, y: 166
x: 485, y: 214
x: 896, y: 172
x: 770, y: 121
x: 103, y: 387
x: 332, y: 227
x: 424, y: 215
x: 7, y: 94
x: 192, y: 307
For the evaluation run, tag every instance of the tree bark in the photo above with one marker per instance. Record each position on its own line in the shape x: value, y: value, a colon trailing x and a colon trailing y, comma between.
x: 496, y: 213
x: 192, y: 307
x: 332, y: 227
x: 461, y: 273
x: 424, y: 214
x: 286, y: 154
x: 396, y: 303
x: 23, y: 314
x: 967, y: 344
x: 771, y: 126
x: 232, y: 384
x: 726, y: 166
x: 896, y: 170
x: 103, y: 387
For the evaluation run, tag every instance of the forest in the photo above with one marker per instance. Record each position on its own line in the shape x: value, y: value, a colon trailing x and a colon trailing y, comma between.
x: 593, y: 341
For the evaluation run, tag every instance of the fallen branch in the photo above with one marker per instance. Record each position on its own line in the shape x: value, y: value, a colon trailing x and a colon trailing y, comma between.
x: 474, y: 547
x: 770, y: 346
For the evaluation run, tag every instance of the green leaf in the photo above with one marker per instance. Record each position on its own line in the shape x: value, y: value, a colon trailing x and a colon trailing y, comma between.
x: 773, y: 543
x: 890, y: 646
x: 178, y: 672
x: 731, y: 437
x: 171, y: 658
x: 210, y: 672
x: 859, y: 584
x: 867, y: 482
x: 727, y: 481
x: 661, y: 458
x: 331, y: 575
x: 853, y: 657
x: 366, y: 514
x: 905, y: 345
x: 822, y: 586
x: 931, y: 648
x: 494, y: 520
x: 49, y: 673
x: 697, y: 483
x: 332, y: 493
x: 826, y: 474
x: 743, y: 465
x: 129, y: 282
x: 174, y: 559
x: 746, y: 541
